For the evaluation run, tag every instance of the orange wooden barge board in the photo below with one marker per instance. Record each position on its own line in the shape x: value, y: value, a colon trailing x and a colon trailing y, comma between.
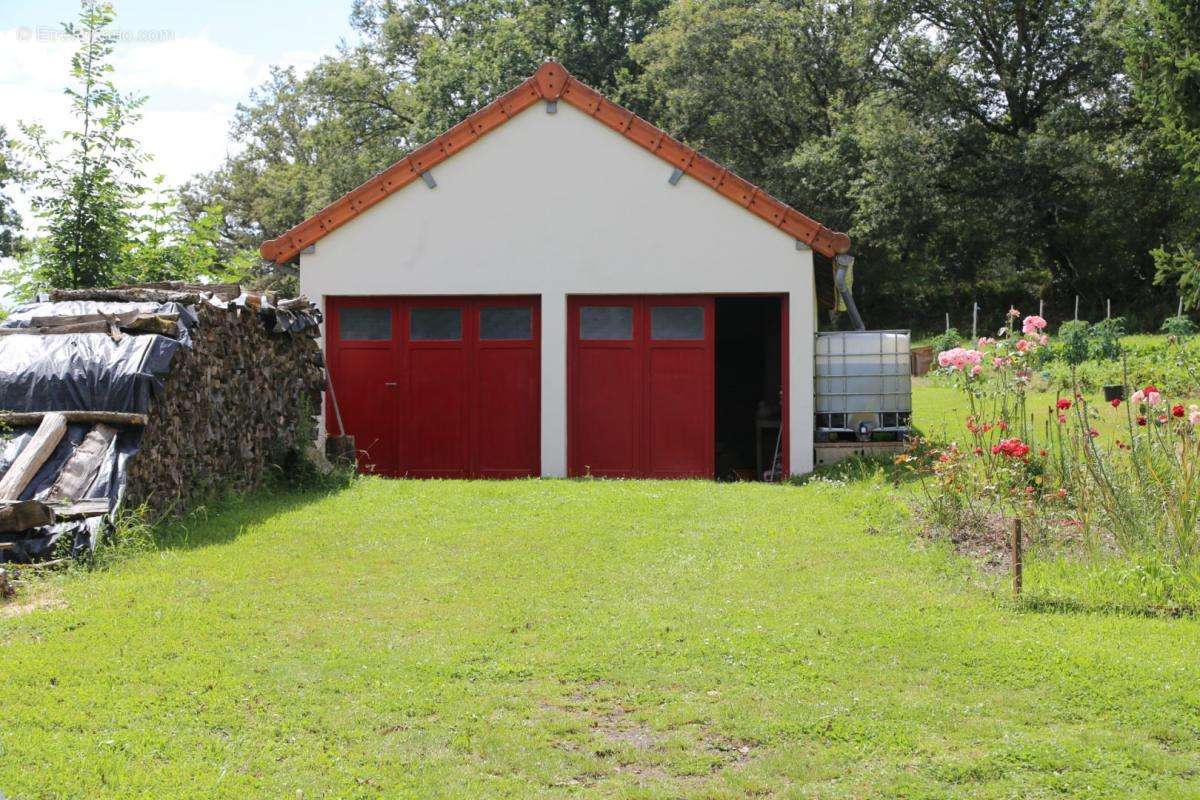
x: 553, y: 82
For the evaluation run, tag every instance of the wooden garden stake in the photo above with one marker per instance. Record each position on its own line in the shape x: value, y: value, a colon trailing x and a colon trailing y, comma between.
x: 1015, y: 543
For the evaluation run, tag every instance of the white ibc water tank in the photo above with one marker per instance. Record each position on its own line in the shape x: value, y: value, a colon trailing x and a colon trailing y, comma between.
x: 863, y: 383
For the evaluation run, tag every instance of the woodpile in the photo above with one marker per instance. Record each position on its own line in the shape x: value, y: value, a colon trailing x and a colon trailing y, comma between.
x: 236, y: 403
x: 239, y: 399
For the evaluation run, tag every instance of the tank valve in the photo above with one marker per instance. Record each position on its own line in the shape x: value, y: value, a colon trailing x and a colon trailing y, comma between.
x: 864, y: 431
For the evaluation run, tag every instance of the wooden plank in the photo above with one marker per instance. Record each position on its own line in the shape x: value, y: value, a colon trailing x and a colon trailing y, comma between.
x: 33, y: 455
x: 165, y: 324
x: 18, y: 419
x: 23, y: 515
x: 58, y: 330
x: 81, y: 468
x: 81, y: 508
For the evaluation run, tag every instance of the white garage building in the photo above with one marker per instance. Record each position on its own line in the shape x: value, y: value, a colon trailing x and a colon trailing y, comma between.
x: 575, y: 293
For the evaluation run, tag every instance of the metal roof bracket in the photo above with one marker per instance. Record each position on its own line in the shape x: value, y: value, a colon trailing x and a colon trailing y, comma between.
x: 676, y: 174
x: 801, y: 246
x: 551, y: 106
x: 427, y: 176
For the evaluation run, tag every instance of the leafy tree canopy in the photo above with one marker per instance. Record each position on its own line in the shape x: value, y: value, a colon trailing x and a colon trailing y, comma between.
x: 10, y: 221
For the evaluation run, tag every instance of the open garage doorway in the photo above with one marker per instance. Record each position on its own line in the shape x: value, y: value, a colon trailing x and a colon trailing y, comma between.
x: 749, y: 387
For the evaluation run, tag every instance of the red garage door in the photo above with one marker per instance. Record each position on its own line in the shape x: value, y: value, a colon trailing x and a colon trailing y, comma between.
x: 641, y: 386
x: 438, y: 387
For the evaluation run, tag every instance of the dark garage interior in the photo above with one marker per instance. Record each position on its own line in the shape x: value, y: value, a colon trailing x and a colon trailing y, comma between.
x: 748, y: 382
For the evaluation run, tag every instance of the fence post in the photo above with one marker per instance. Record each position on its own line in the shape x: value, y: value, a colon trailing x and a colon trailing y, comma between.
x: 1015, y: 546
x: 947, y: 320
x: 1108, y: 310
x: 1042, y: 309
x: 974, y: 319
x: 1077, y: 308
x: 1179, y: 313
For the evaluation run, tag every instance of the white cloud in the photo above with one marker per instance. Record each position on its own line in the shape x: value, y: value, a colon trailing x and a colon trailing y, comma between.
x: 187, y: 63
x: 193, y: 84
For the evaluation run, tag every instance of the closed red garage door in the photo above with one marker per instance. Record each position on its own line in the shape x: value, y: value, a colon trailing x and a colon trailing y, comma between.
x: 442, y: 387
x: 641, y: 386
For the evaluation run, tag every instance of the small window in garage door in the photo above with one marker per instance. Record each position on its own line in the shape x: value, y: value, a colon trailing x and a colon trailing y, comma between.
x: 641, y: 387
x: 505, y: 322
x: 677, y: 322
x: 365, y: 323
x: 606, y: 322
x: 435, y: 324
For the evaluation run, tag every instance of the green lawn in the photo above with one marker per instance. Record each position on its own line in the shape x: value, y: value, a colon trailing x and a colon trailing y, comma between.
x: 570, y: 638
x: 941, y: 411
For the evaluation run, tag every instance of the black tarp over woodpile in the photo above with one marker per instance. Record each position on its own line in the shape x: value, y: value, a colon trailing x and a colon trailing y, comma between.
x: 159, y: 395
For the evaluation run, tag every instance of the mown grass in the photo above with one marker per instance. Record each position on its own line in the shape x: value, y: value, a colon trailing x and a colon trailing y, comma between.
x: 572, y: 638
x: 940, y: 411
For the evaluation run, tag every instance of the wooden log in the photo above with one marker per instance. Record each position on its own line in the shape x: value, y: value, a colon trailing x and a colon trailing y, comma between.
x: 81, y: 468
x: 33, y: 455
x: 18, y: 419
x: 128, y: 295
x: 162, y: 324
x: 23, y: 515
x: 222, y: 291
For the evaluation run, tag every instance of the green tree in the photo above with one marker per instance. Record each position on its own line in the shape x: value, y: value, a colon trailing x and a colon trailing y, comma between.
x: 1163, y: 40
x: 768, y: 89
x: 166, y: 244
x: 10, y: 221
x: 85, y: 196
x: 973, y: 149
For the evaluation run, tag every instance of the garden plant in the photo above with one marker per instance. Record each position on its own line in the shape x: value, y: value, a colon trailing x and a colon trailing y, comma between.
x: 1109, y: 492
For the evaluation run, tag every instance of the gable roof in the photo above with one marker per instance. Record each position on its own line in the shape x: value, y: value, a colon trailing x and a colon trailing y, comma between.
x: 552, y: 82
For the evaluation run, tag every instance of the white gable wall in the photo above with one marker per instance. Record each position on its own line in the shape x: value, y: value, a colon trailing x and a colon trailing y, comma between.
x: 557, y: 205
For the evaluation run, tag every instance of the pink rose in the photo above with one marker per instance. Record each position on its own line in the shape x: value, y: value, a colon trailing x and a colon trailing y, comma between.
x: 1033, y: 324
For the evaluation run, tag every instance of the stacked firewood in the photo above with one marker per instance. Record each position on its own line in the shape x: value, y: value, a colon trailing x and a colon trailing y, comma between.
x: 240, y: 401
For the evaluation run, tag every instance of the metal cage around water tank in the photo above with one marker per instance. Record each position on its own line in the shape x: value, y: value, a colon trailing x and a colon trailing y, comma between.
x: 863, y: 385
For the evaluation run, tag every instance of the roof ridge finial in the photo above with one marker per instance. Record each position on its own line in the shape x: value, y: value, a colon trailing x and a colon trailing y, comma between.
x: 551, y: 78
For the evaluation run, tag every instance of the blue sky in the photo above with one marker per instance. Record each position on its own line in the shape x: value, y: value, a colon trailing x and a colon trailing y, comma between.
x: 194, y: 60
